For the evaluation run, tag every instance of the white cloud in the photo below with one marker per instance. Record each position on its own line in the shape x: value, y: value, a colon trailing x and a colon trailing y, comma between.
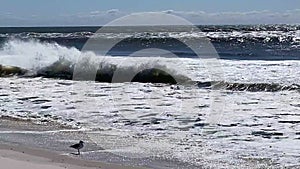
x: 249, y: 17
x: 103, y: 13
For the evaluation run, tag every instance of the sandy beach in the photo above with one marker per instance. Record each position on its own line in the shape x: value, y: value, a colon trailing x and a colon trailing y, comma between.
x: 17, y: 160
x: 18, y: 154
x: 19, y: 157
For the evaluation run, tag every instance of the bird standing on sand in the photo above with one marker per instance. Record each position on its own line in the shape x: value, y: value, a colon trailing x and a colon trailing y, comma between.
x: 78, y: 146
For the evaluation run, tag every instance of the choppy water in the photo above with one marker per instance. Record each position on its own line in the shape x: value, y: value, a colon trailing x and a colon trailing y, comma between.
x: 248, y: 116
x: 268, y: 42
x: 187, y: 123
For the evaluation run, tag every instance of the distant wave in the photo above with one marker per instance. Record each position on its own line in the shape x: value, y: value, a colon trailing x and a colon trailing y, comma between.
x: 280, y: 32
x: 240, y: 36
x: 265, y: 42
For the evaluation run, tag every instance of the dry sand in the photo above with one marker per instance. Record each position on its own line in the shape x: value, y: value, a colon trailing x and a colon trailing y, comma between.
x: 15, y: 160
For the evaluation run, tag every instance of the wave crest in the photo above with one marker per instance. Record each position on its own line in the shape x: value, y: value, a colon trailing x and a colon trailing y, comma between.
x: 33, y: 58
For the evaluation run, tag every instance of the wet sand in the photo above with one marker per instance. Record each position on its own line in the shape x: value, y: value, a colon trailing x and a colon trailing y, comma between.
x: 18, y: 155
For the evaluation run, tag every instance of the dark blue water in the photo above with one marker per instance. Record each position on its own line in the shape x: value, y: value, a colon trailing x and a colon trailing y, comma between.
x: 241, y: 42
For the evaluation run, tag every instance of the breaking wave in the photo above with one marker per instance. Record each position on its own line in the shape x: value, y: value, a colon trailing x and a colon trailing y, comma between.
x: 33, y: 54
x: 40, y: 59
x: 32, y: 58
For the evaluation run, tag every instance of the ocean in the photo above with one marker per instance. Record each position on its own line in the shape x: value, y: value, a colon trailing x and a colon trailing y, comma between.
x: 239, y: 108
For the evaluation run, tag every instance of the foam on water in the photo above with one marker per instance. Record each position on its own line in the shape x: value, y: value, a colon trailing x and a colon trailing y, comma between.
x: 254, y: 129
x: 171, y: 122
x: 162, y: 121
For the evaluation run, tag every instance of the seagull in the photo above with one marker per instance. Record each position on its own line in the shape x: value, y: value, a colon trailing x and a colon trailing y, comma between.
x: 78, y: 146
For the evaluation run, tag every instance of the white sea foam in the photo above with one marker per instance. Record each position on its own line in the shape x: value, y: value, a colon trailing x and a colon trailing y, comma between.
x: 171, y: 123
x: 139, y: 120
x: 33, y: 54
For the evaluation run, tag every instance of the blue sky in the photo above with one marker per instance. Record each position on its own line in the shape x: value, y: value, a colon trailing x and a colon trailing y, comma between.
x: 99, y: 12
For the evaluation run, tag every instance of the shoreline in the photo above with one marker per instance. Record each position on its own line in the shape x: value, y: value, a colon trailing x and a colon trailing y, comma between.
x: 51, y: 141
x: 20, y: 156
